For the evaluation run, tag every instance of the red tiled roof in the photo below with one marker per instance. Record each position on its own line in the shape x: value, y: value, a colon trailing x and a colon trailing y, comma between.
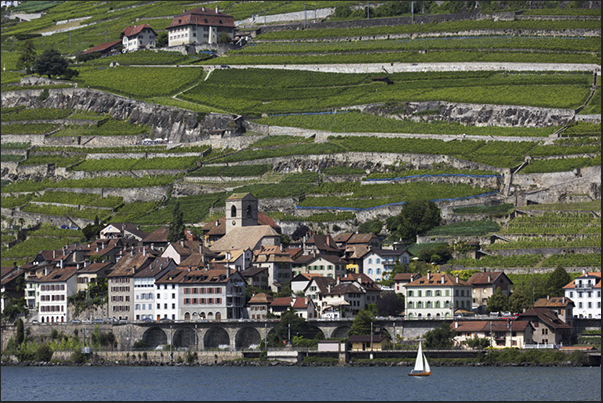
x: 300, y: 303
x: 406, y: 276
x: 102, y: 47
x: 482, y: 277
x: 261, y: 298
x: 366, y: 338
x: 135, y: 30
x: 282, y: 301
x: 553, y: 302
x: 59, y: 275
x: 202, y: 16
x: 159, y: 235
x: 544, y: 315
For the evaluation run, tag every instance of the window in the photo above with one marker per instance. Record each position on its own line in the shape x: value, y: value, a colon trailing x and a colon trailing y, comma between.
x: 370, y: 261
x: 410, y: 293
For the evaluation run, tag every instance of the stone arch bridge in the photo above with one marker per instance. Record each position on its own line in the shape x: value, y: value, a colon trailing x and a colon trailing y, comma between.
x: 227, y: 334
x: 243, y: 334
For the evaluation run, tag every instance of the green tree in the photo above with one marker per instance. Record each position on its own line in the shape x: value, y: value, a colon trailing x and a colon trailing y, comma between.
x: 478, y: 342
x: 20, y: 337
x: 390, y: 303
x: 224, y: 38
x: 517, y: 302
x: 372, y: 226
x: 43, y: 353
x: 362, y: 323
x: 176, y: 228
x: 416, y: 217
x: 440, y: 337
x: 558, y: 279
x: 291, y: 326
x: 438, y: 254
x: 497, y: 302
x: 162, y: 39
x: 27, y: 56
x: 50, y: 63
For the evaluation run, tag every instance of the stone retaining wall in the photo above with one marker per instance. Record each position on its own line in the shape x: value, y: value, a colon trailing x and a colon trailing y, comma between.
x: 116, y: 174
x: 32, y: 219
x: 34, y: 139
x: 547, y: 252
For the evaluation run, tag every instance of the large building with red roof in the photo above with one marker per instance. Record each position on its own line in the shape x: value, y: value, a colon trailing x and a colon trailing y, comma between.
x: 138, y: 37
x: 585, y: 291
x: 200, y: 26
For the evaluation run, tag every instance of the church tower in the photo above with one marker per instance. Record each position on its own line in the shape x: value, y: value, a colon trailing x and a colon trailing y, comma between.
x: 241, y: 211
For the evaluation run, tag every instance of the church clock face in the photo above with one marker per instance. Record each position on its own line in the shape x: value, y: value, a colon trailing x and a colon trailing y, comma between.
x: 234, y: 222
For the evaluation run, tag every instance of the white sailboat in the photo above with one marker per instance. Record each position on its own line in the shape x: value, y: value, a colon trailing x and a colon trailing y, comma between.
x: 421, y: 365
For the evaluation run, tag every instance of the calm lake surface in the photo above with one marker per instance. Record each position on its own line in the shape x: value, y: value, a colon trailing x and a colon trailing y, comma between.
x: 299, y: 383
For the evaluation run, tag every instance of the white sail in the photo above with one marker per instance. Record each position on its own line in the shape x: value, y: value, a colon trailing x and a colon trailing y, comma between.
x: 419, y: 360
x: 427, y: 369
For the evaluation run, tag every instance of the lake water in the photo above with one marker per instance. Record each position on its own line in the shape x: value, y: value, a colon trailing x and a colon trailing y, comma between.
x: 299, y: 383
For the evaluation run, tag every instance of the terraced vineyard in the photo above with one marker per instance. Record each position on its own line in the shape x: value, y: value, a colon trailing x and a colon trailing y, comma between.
x: 489, y: 118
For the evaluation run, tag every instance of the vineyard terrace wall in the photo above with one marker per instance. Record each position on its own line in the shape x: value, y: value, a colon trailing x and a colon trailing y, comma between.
x: 178, y: 125
x: 418, y: 18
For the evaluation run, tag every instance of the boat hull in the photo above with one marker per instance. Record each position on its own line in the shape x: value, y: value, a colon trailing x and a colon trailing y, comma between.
x: 420, y: 374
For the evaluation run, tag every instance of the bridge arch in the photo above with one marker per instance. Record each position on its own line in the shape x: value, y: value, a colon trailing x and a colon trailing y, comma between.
x: 155, y: 336
x: 340, y: 332
x: 215, y: 337
x: 185, y: 337
x: 246, y: 337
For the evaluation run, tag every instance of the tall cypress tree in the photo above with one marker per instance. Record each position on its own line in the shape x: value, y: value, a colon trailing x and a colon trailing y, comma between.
x: 176, y: 229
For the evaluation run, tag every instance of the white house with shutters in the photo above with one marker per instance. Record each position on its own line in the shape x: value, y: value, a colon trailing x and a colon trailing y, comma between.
x: 436, y: 296
x: 585, y: 291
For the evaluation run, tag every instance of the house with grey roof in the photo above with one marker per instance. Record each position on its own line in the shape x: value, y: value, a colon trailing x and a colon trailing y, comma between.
x: 325, y: 265
x: 144, y: 286
x: 378, y: 263
x: 484, y: 286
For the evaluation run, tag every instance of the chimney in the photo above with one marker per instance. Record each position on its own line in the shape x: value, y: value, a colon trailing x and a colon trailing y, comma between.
x: 217, y: 10
x: 54, y: 253
x: 97, y: 248
x: 61, y: 263
x: 182, y: 243
x: 489, y: 278
x: 412, y: 278
x: 428, y: 274
x: 144, y: 251
x: 456, y: 324
x: 78, y: 266
x: 548, y: 297
x: 457, y: 278
x: 132, y: 252
x: 281, y: 247
x: 443, y: 279
x: 203, y: 8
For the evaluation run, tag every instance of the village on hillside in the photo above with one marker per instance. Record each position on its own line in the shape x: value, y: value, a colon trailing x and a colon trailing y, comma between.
x: 358, y: 257
x: 319, y: 276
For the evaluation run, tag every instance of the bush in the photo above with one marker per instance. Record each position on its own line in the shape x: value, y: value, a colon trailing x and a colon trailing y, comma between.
x: 44, y: 353
x: 78, y: 357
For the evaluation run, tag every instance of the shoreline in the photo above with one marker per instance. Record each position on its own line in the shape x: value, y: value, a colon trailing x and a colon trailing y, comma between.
x: 272, y: 363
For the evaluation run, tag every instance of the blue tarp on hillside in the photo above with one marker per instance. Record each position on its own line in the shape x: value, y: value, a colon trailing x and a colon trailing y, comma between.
x: 432, y: 176
x: 389, y: 204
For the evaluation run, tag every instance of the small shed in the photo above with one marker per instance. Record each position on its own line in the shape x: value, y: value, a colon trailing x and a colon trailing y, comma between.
x: 363, y: 342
